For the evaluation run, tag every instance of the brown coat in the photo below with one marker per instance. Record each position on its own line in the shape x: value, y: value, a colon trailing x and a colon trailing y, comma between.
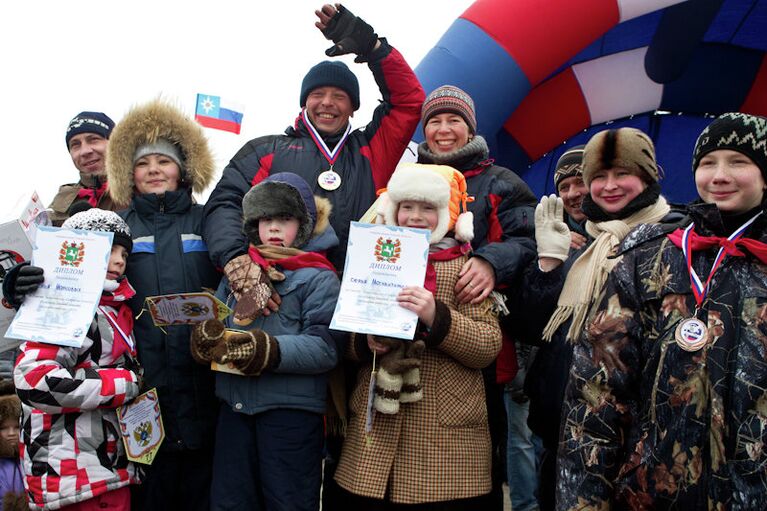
x: 67, y: 194
x: 438, y: 448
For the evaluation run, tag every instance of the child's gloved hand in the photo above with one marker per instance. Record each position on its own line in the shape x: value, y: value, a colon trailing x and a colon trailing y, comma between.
x: 206, y: 336
x: 251, y: 352
x: 252, y: 289
x: 20, y: 281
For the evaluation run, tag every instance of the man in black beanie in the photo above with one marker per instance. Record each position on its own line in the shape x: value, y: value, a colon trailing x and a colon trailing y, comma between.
x: 346, y: 166
x: 87, y: 137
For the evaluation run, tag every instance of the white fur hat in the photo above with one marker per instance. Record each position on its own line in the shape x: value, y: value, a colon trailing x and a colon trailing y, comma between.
x: 440, y: 185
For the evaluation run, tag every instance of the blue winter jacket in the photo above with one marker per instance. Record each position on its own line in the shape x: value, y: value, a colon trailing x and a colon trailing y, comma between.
x: 308, y: 349
x: 169, y: 256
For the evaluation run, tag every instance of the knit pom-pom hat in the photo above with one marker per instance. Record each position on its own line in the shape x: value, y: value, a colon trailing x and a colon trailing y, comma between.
x: 440, y: 185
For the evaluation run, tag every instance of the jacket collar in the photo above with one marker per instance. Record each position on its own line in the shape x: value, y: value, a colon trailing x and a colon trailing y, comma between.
x: 178, y: 201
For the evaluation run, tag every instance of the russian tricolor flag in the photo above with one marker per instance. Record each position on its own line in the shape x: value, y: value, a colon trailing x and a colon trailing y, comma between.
x: 211, y: 112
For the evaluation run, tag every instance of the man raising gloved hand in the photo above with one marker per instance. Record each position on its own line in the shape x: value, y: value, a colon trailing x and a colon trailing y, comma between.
x: 349, y: 32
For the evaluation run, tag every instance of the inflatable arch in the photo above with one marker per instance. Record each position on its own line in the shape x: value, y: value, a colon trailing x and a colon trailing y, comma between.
x: 547, y: 74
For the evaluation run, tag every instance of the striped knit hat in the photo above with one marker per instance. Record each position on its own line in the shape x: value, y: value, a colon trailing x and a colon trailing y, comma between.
x: 450, y: 98
x: 744, y: 133
x: 626, y: 148
x: 569, y: 164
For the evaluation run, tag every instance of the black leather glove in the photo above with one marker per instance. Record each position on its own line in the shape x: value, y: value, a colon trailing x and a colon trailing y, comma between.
x: 20, y: 281
x: 350, y: 34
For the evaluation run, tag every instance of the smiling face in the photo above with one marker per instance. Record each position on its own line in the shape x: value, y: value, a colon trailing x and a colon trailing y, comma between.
x: 613, y: 189
x: 329, y: 109
x: 87, y: 151
x: 446, y: 132
x: 572, y: 190
x: 156, y: 173
x: 422, y: 215
x: 731, y: 180
x: 278, y: 231
x: 117, y: 260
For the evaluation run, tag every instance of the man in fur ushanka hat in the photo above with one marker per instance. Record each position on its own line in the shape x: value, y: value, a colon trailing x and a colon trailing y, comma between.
x: 274, y: 408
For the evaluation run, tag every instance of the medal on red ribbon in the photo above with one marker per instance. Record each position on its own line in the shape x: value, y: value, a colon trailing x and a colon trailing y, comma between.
x: 692, y: 334
x: 330, y: 179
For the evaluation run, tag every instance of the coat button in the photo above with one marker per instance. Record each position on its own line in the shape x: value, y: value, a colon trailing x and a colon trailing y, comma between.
x: 238, y: 406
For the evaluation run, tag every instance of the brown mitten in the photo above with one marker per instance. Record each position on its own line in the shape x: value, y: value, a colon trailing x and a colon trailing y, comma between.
x: 251, y: 352
x: 251, y: 287
x: 412, y: 390
x: 389, y: 379
x: 205, y: 336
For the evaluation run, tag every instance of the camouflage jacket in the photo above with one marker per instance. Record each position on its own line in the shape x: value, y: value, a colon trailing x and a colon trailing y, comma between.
x: 647, y: 425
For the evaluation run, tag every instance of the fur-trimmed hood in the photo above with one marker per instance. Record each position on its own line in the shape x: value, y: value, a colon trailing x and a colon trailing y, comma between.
x: 146, y: 124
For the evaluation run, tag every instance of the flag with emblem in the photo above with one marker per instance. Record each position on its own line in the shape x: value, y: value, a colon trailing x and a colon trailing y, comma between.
x: 213, y: 112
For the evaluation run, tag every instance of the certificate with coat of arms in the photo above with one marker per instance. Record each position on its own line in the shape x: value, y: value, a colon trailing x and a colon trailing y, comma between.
x: 61, y: 310
x: 141, y: 427
x: 380, y: 261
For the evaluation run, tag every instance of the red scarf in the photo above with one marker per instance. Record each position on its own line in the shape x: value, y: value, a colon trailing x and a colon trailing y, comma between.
x: 731, y: 248
x: 93, y: 196
x: 296, y: 262
x: 448, y: 254
x: 124, y: 318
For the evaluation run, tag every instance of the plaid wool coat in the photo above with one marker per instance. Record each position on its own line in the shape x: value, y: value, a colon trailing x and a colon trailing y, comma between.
x: 438, y: 448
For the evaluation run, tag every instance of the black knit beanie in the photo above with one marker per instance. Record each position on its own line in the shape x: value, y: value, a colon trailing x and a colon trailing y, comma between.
x: 744, y: 133
x: 569, y: 164
x: 333, y: 74
x: 89, y: 122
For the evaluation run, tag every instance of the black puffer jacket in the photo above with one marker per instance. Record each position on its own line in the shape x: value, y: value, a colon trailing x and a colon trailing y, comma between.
x: 503, y: 208
x: 169, y: 256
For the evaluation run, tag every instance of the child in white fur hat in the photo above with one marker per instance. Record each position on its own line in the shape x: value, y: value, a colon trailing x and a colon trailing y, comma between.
x: 429, y: 440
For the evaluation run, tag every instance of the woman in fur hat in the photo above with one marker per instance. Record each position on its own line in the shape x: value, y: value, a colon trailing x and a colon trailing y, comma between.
x: 561, y: 289
x: 429, y: 446
x: 156, y: 158
x: 12, y: 494
x: 667, y: 402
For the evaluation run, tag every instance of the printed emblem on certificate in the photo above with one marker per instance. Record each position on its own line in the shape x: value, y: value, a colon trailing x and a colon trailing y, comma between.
x: 185, y: 308
x: 61, y: 310
x: 141, y: 427
x: 380, y: 261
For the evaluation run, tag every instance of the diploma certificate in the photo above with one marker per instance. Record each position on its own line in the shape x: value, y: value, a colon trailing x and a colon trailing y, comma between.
x: 61, y: 310
x: 380, y: 261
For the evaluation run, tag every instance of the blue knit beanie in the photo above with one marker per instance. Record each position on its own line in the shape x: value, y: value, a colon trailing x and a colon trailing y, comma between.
x: 90, y: 122
x: 334, y: 74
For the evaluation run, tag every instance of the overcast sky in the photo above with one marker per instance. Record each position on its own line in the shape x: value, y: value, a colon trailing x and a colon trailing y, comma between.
x: 63, y: 57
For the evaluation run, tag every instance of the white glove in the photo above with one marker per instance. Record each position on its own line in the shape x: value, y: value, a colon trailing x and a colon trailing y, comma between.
x: 551, y: 232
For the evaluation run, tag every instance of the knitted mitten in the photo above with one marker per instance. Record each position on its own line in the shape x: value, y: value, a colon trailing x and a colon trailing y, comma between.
x: 252, y: 352
x: 411, y: 379
x: 389, y: 379
x: 205, y: 336
x: 250, y: 286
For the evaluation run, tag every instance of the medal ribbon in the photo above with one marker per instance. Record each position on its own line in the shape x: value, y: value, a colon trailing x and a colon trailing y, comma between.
x: 329, y: 155
x: 699, y: 290
x: 126, y: 338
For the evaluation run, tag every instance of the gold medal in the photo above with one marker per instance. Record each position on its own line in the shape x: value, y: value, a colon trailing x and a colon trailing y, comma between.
x: 691, y: 334
x: 329, y: 180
